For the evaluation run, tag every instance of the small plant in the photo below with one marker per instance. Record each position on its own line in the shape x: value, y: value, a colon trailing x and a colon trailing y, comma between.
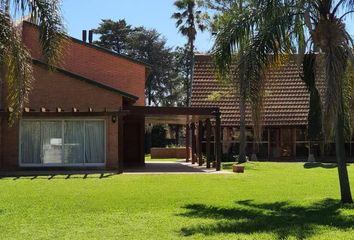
x: 237, y: 159
x: 238, y: 166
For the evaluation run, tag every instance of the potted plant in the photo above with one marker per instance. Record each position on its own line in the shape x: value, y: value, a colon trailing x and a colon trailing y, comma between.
x: 238, y: 166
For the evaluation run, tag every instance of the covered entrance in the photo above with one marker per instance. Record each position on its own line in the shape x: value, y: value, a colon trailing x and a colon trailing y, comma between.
x: 201, y: 125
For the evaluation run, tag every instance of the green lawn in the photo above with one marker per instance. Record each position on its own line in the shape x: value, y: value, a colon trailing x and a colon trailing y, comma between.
x: 268, y: 201
x: 149, y: 159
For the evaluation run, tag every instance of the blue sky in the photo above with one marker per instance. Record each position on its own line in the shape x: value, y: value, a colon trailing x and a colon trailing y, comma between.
x: 87, y: 14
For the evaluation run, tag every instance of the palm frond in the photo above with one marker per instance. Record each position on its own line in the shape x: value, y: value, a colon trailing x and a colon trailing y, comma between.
x: 18, y: 67
x: 258, y: 45
x: 47, y: 14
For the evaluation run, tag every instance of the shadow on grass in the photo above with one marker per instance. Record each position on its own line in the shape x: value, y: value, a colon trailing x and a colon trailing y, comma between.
x: 59, y: 176
x: 280, y: 219
x: 310, y: 165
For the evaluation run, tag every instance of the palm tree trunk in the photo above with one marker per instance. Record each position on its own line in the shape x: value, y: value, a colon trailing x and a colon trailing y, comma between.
x: 188, y: 88
x: 191, y: 45
x: 242, y: 150
x: 346, y: 196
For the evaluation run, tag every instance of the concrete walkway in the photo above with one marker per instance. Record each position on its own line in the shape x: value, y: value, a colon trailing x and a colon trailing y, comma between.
x: 179, y: 167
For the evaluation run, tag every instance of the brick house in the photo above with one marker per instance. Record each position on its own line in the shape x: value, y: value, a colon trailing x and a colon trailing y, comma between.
x: 285, y: 112
x: 74, y: 117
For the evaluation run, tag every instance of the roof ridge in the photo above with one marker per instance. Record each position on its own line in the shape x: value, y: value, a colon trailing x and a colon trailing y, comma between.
x: 102, y: 49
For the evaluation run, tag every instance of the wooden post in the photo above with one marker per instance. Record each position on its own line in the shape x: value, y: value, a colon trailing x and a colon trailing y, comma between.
x: 208, y: 134
x: 280, y: 143
x: 187, y: 142
x: 218, y: 140
x: 294, y: 143
x: 200, y: 140
x: 193, y: 142
x: 269, y: 144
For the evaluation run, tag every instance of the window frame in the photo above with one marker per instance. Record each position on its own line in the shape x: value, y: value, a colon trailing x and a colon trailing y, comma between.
x: 62, y: 164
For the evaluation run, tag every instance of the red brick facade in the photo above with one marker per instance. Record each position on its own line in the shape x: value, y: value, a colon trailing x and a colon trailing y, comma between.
x: 86, y: 60
x: 57, y: 89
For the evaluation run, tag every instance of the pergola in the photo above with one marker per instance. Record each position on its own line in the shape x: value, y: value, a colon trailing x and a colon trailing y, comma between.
x: 196, y: 121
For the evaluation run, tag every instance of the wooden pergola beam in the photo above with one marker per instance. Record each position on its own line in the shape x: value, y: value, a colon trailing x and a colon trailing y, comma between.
x: 145, y: 110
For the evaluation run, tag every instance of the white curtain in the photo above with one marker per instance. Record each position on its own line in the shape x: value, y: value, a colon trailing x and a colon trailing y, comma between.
x: 62, y: 142
x: 31, y: 142
x: 74, y: 140
x: 94, y: 142
x: 52, y: 141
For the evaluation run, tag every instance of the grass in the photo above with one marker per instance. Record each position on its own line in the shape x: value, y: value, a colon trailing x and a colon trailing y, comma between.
x: 268, y: 201
x: 149, y: 159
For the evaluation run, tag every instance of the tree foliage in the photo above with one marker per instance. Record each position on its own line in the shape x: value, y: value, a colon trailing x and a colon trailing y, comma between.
x: 114, y: 35
x: 189, y: 19
x: 164, y: 85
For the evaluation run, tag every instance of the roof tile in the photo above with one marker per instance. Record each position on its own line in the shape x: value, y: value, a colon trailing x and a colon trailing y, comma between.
x: 286, y: 100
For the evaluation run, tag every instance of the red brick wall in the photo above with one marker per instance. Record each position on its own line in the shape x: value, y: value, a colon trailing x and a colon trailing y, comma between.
x: 85, y: 60
x: 55, y: 89
x: 157, y: 153
x: 10, y: 136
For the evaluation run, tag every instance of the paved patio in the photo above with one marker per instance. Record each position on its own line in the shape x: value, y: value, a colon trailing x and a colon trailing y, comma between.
x: 179, y: 167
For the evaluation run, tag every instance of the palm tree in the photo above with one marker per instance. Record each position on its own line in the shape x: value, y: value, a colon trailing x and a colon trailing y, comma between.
x: 259, y: 32
x: 188, y: 20
x: 14, y: 57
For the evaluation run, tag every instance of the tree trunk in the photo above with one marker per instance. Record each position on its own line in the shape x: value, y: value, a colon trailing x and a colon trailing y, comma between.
x: 346, y: 196
x: 242, y: 151
x: 189, y: 93
x: 187, y: 86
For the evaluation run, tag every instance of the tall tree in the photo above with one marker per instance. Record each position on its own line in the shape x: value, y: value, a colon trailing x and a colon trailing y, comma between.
x: 114, y: 35
x: 149, y: 46
x: 260, y: 31
x: 14, y: 57
x: 188, y: 20
x: 163, y: 83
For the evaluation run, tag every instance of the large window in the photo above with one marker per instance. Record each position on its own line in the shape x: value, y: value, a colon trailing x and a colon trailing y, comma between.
x: 62, y: 142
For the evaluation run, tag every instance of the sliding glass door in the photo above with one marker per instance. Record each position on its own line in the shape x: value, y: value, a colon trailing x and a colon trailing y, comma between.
x: 74, y: 142
x: 62, y: 142
x: 51, y: 142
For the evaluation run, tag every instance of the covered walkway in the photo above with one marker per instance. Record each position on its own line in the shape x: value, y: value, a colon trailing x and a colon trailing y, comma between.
x: 200, y: 124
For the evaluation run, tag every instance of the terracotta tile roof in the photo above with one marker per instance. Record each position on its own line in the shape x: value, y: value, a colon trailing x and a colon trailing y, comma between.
x: 286, y: 98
